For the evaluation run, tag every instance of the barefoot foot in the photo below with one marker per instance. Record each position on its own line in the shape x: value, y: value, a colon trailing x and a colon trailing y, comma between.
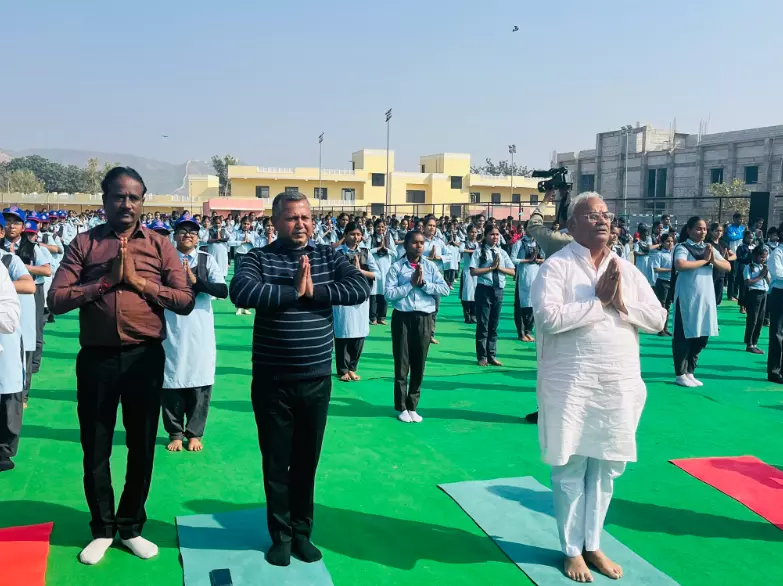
x: 195, y: 445
x: 576, y: 569
x: 603, y: 564
x: 354, y: 376
x: 174, y: 446
x: 346, y: 378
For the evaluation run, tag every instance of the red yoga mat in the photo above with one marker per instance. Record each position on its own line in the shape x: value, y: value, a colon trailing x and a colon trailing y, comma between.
x: 23, y: 554
x: 746, y: 479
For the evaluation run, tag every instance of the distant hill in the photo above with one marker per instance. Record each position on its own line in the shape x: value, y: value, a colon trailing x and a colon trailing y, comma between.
x: 159, y: 176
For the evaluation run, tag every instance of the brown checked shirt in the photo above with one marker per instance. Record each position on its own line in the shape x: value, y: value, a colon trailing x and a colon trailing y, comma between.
x: 120, y: 316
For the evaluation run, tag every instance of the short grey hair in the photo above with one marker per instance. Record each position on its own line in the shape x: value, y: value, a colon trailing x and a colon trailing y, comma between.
x: 281, y: 199
x: 580, y: 199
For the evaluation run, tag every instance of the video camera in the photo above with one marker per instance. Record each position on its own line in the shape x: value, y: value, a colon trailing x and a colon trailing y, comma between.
x: 557, y: 181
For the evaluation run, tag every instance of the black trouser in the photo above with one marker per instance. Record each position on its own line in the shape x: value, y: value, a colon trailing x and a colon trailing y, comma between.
x: 450, y: 275
x: 11, y: 409
x: 469, y: 310
x: 347, y: 352
x: 742, y: 287
x: 523, y: 317
x: 291, y: 418
x: 179, y: 403
x: 411, y: 334
x: 378, y: 307
x: 106, y: 377
x: 662, y: 292
x: 718, y: 283
x: 756, y: 302
x: 733, y: 280
x: 238, y: 258
x: 775, y: 352
x: 435, y: 315
x: 489, y: 302
x: 685, y: 350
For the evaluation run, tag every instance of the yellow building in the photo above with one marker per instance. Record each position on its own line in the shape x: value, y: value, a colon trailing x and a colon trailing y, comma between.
x: 442, y: 185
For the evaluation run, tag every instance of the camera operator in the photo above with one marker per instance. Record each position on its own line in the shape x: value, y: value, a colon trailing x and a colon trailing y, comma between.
x: 549, y: 240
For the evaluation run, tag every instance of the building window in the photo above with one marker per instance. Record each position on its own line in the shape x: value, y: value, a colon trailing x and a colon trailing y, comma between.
x: 716, y: 175
x: 291, y: 189
x: 534, y: 199
x: 414, y: 196
x: 424, y: 168
x: 475, y: 197
x: 656, y: 189
x: 319, y: 193
x: 752, y: 175
x: 586, y: 183
x: 378, y: 179
x: 516, y: 198
x: 456, y: 182
x: 495, y: 198
x: 262, y: 192
x: 348, y: 194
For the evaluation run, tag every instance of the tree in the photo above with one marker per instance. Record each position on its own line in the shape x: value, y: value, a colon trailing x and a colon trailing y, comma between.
x: 501, y: 168
x: 220, y: 165
x: 24, y: 181
x: 732, y: 196
x: 92, y: 176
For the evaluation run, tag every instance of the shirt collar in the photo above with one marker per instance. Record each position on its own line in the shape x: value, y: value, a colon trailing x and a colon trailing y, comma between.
x: 584, y: 253
x: 107, y: 230
x: 192, y: 254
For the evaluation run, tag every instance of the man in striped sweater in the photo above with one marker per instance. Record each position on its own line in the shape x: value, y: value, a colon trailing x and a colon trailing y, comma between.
x: 292, y: 284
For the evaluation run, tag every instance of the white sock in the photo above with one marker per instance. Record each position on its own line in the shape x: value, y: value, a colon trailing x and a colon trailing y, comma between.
x: 694, y: 380
x: 684, y: 381
x: 405, y: 417
x: 140, y: 547
x: 95, y: 550
x: 415, y: 417
x: 239, y: 312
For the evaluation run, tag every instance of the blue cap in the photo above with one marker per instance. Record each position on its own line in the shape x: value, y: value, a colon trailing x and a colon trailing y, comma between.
x: 31, y: 227
x: 62, y: 214
x: 159, y: 226
x: 186, y: 218
x: 2, y: 221
x: 15, y: 211
x: 33, y: 217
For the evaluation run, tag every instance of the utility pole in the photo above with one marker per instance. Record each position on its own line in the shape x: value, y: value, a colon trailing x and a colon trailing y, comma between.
x: 388, y: 175
x: 627, y: 130
x: 320, y: 152
x: 512, y: 150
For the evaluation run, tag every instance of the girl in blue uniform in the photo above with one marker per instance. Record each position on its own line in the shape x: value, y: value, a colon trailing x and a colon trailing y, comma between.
x: 352, y: 322
x: 662, y: 267
x: 384, y: 251
x: 218, y: 244
x: 695, y: 310
x: 527, y: 257
x: 467, y: 283
x: 756, y: 277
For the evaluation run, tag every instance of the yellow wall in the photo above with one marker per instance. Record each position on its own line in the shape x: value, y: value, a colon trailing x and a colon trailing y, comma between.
x: 246, y: 188
x: 373, y: 160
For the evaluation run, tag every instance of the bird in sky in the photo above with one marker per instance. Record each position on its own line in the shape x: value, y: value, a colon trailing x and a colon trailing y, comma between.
x: 164, y: 135
x: 515, y: 29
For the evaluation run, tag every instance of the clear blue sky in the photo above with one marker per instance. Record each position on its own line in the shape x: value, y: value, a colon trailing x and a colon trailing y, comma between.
x: 262, y: 79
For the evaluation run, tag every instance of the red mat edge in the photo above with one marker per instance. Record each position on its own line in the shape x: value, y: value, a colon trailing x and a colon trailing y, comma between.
x: 38, y: 532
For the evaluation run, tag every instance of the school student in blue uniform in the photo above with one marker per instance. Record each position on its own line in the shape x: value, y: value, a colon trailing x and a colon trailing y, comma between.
x: 384, y: 251
x: 490, y: 265
x: 527, y: 257
x: 352, y: 322
x: 695, y: 310
x: 756, y: 277
x: 244, y: 239
x: 662, y: 267
x: 467, y: 282
x: 190, y: 348
x: 412, y: 287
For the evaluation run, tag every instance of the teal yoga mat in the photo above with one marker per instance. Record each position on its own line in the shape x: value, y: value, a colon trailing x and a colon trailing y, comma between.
x: 518, y: 514
x: 238, y: 541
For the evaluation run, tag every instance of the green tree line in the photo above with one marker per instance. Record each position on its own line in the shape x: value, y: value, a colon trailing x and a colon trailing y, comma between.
x: 38, y: 174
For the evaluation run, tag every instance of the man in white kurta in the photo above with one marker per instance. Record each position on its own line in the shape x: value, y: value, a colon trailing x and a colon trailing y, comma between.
x: 190, y: 344
x: 589, y: 305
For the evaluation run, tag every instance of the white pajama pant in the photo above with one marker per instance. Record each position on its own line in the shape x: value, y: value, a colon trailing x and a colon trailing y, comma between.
x: 582, y: 490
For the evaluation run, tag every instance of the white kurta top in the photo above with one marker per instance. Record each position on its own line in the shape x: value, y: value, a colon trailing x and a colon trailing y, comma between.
x: 590, y: 390
x: 190, y: 339
x: 694, y: 291
x: 353, y: 321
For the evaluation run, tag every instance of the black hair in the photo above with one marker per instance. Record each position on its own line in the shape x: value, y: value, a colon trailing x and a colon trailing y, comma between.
x: 747, y: 233
x: 351, y: 226
x: 430, y: 217
x: 692, y: 221
x: 118, y: 172
x: 342, y: 215
x: 666, y: 235
x: 714, y: 226
x: 378, y: 221
x: 772, y: 230
x: 758, y: 251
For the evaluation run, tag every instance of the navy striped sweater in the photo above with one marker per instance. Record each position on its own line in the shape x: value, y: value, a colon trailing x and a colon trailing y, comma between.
x: 292, y: 337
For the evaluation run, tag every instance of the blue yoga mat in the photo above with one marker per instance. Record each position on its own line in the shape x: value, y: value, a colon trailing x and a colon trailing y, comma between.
x: 518, y: 514
x: 238, y: 541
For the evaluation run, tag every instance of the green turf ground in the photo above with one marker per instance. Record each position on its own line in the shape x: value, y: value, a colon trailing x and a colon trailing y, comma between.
x: 379, y: 517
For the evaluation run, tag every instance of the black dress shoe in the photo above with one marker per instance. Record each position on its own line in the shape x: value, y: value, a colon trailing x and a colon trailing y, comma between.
x: 279, y: 554
x: 305, y: 550
x: 777, y: 380
x: 532, y: 417
x: 6, y: 464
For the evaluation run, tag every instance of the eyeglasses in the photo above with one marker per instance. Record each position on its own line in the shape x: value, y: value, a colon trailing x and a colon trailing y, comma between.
x: 187, y: 232
x: 593, y: 217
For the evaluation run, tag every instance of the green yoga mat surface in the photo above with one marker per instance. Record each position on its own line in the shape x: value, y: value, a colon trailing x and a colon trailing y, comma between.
x: 238, y: 541
x: 518, y: 514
